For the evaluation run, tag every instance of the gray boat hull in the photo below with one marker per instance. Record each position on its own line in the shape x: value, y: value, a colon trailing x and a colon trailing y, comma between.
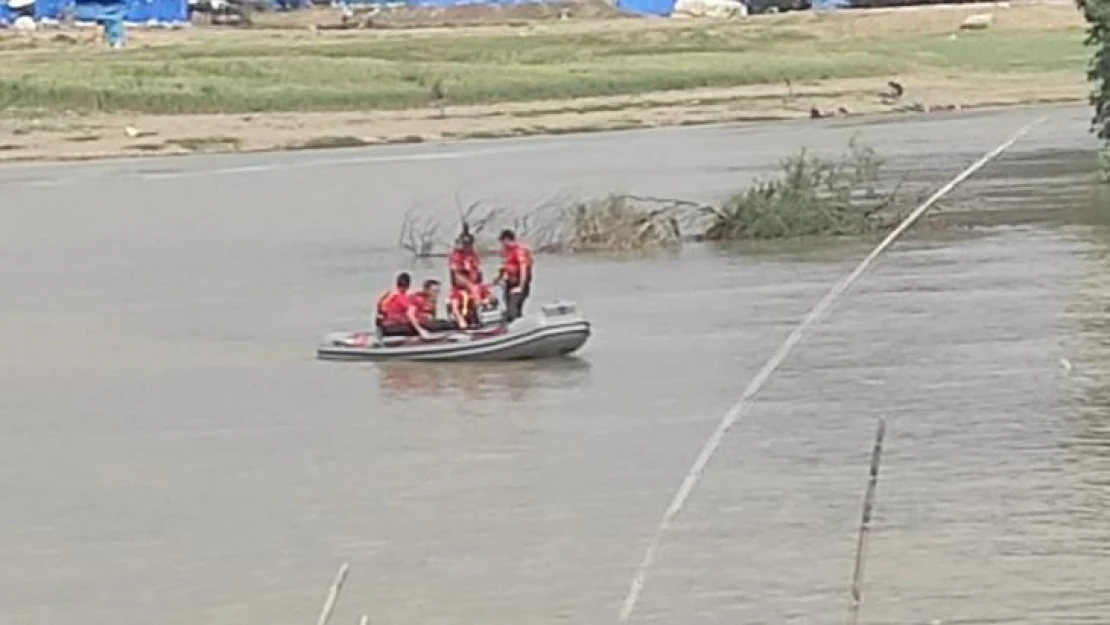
x: 558, y: 330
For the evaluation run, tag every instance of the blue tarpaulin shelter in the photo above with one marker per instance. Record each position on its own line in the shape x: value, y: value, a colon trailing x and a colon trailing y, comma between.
x: 450, y: 3
x: 109, y: 13
x: 11, y: 10
x: 134, y: 11
x: 637, y: 7
x: 662, y: 8
x: 159, y: 11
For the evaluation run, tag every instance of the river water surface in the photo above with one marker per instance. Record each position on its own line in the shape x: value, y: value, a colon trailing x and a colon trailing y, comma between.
x: 173, y: 454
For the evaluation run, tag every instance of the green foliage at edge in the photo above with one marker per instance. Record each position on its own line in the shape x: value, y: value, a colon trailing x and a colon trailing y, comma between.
x: 1097, y: 14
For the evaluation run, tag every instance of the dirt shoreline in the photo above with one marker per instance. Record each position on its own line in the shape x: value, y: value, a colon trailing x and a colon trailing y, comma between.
x: 77, y: 137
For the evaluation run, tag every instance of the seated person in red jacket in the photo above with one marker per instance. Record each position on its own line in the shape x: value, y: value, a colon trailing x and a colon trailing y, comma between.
x: 421, y: 313
x: 393, y: 307
x: 404, y: 313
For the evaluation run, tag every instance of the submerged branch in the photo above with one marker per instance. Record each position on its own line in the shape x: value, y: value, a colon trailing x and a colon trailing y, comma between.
x: 810, y: 195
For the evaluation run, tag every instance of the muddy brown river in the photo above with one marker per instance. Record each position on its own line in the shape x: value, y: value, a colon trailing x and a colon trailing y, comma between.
x: 172, y: 452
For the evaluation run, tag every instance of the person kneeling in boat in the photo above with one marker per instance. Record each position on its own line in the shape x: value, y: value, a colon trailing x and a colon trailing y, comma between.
x: 465, y: 308
x: 421, y: 313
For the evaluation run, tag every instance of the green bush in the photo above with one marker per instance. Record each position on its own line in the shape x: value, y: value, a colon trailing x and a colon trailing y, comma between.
x: 1097, y: 14
x: 810, y: 196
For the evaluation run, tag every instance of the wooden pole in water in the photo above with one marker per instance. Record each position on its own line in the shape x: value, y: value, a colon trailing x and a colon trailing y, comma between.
x: 865, y: 523
x: 333, y: 595
x: 365, y: 620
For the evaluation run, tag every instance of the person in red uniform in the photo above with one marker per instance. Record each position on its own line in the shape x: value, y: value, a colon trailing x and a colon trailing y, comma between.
x: 393, y: 307
x: 421, y: 313
x: 465, y: 266
x: 464, y: 307
x: 515, y: 274
x: 460, y: 304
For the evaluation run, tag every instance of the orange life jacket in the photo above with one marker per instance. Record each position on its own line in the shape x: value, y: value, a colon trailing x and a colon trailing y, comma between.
x: 516, y: 262
x: 425, y: 307
x: 465, y: 263
x: 393, y: 306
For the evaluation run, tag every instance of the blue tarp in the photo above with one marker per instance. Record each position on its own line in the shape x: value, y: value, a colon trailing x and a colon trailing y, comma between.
x: 135, y: 11
x: 661, y: 8
x: 110, y: 13
x: 449, y: 3
x: 160, y: 11
x: 289, y: 5
x: 50, y: 9
x: 7, y: 14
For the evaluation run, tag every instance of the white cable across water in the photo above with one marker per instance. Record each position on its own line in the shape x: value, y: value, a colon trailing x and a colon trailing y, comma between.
x: 741, y: 407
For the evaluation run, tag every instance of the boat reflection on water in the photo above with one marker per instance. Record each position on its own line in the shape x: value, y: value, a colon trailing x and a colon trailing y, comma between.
x: 495, y: 380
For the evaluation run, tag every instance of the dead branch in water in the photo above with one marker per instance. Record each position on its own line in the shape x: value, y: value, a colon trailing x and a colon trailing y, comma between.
x: 425, y: 236
x: 865, y: 523
x: 477, y: 218
x: 419, y: 235
x: 616, y: 223
x: 809, y: 196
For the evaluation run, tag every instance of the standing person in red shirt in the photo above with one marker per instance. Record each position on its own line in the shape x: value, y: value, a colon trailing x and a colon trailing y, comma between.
x: 393, y: 306
x: 515, y: 274
x: 465, y: 266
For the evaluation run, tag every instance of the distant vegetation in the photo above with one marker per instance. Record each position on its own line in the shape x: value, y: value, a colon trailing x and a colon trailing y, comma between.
x: 257, y: 70
x: 810, y: 196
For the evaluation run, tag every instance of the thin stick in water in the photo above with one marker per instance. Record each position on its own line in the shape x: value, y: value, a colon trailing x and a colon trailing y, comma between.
x: 365, y: 620
x: 865, y: 523
x: 333, y: 595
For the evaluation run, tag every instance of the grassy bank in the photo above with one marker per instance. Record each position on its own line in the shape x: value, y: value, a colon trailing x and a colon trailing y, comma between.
x: 269, y: 71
